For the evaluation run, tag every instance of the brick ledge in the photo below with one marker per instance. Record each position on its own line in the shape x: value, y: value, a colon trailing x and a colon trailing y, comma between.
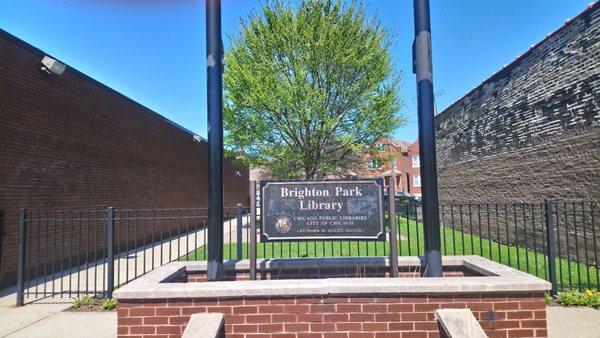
x: 496, y: 278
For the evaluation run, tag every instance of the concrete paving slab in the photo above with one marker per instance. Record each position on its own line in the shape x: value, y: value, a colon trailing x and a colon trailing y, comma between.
x: 459, y: 323
x: 72, y: 324
x: 576, y: 322
x: 13, y: 319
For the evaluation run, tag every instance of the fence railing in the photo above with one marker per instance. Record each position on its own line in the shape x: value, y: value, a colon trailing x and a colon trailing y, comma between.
x: 90, y: 252
x: 554, y: 240
x: 72, y: 253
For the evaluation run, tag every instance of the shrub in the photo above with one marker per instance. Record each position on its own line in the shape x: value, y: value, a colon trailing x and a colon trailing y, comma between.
x: 86, y: 300
x: 109, y: 304
x: 589, y: 298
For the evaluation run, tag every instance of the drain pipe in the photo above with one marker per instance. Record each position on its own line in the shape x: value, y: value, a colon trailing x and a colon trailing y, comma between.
x: 422, y: 67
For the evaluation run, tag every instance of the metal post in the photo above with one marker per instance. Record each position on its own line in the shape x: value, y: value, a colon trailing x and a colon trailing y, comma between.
x: 252, y: 230
x: 214, y: 68
x: 422, y: 67
x: 110, y: 255
x: 393, y: 223
x: 1, y: 239
x: 21, y: 257
x: 550, y: 239
x: 239, y: 213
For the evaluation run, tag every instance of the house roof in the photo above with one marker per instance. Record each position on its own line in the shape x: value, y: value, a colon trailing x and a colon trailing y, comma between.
x: 400, y: 144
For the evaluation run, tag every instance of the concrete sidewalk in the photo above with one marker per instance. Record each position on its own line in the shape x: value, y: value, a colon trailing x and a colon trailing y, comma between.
x: 68, y: 324
x: 13, y: 319
x: 576, y: 322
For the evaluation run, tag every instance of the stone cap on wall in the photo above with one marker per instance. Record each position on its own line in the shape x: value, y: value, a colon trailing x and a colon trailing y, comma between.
x: 495, y: 278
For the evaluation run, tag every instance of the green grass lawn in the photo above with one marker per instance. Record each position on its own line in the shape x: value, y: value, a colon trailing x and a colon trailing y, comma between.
x: 454, y: 242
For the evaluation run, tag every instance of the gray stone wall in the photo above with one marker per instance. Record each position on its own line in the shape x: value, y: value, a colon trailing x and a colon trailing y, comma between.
x: 532, y: 130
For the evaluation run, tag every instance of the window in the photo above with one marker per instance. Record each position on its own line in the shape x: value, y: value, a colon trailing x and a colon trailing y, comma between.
x: 416, y: 180
x: 374, y: 164
x: 416, y: 161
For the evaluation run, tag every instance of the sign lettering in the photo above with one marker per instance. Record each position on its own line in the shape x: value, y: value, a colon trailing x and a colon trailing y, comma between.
x: 332, y: 209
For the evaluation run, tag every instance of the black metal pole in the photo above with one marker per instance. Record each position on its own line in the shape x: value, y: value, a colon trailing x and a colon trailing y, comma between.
x: 393, y: 222
x: 214, y: 69
x: 239, y: 219
x: 21, y: 257
x: 252, y: 230
x: 551, y: 248
x: 110, y: 255
x: 422, y: 67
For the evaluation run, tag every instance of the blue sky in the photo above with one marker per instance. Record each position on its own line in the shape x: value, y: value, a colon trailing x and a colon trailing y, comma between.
x: 154, y: 50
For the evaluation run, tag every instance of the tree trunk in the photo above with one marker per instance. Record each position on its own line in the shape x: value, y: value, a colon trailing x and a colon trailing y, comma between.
x: 309, y: 172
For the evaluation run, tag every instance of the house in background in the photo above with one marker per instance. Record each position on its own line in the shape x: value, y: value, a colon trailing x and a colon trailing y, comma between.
x: 377, y: 163
x: 408, y: 165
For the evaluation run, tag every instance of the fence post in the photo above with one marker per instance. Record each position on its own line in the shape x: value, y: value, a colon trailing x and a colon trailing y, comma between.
x: 110, y: 256
x: 551, y: 249
x: 21, y: 257
x: 393, y: 226
x: 239, y: 212
x: 1, y: 239
x: 252, y: 230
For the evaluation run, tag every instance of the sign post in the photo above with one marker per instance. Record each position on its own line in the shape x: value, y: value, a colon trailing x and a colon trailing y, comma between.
x: 423, y: 69
x: 252, y: 230
x: 393, y: 222
x: 214, y: 68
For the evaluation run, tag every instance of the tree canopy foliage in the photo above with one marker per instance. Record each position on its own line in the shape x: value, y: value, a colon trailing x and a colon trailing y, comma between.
x: 308, y: 86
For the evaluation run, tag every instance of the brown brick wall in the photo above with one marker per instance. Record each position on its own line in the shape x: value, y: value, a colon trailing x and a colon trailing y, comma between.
x: 532, y: 130
x: 70, y: 142
x: 501, y: 315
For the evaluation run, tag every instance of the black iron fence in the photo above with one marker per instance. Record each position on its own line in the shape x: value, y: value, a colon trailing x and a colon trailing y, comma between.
x: 514, y: 234
x: 90, y: 252
x: 554, y: 240
x: 71, y: 253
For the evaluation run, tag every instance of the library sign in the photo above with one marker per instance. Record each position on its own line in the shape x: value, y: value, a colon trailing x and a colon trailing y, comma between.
x: 332, y: 209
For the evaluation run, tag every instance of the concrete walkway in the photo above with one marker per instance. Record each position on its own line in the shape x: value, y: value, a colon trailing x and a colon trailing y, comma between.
x: 13, y: 319
x: 576, y: 322
x: 70, y: 324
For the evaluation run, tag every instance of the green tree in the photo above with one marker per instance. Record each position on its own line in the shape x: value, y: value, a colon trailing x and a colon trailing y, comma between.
x: 308, y: 86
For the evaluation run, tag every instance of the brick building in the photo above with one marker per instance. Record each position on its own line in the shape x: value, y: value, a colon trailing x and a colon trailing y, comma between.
x: 408, y: 168
x: 531, y: 130
x: 68, y: 141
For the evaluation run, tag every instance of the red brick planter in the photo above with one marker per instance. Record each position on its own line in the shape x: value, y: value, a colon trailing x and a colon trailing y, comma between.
x: 351, y: 307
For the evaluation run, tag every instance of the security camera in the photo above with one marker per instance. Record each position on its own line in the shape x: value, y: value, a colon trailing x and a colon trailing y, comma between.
x: 52, y: 66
